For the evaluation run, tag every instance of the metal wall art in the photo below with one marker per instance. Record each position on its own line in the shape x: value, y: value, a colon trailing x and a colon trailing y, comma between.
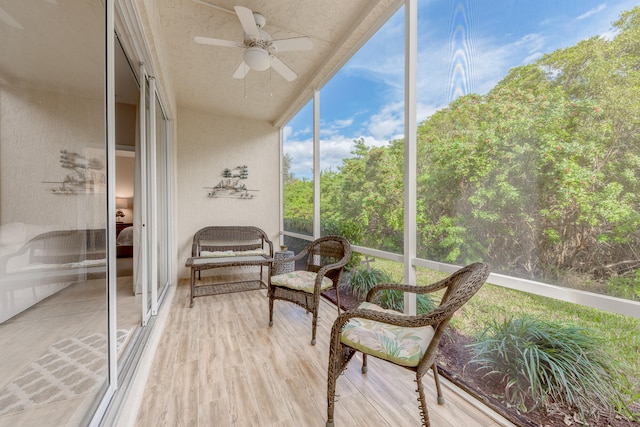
x: 85, y: 176
x: 231, y: 186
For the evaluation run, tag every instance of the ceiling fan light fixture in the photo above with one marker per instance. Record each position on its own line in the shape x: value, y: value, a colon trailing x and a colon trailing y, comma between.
x: 257, y: 58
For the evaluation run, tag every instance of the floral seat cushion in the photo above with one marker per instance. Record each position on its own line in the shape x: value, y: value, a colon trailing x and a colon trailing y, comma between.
x: 401, y: 345
x: 300, y: 280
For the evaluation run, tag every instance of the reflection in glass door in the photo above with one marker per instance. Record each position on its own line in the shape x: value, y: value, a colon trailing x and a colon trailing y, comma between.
x: 129, y: 314
x: 53, y: 212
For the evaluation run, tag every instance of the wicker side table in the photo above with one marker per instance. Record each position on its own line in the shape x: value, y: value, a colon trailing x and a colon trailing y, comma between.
x: 284, y: 267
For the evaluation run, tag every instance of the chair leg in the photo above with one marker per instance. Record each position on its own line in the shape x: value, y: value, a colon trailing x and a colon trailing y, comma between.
x: 423, y: 403
x: 270, y: 308
x: 331, y: 393
x: 193, y: 280
x: 314, y: 323
x: 332, y: 376
x: 437, y: 380
x: 364, y: 363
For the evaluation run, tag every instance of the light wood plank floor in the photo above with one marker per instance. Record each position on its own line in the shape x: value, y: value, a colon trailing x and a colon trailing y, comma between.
x: 220, y: 364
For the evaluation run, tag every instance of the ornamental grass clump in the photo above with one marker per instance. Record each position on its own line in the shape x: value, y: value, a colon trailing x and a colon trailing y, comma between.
x: 363, y: 279
x: 544, y: 363
x: 394, y: 300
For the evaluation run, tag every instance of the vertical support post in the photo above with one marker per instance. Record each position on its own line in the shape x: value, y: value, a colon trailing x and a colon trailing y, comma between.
x: 281, y: 184
x: 316, y: 164
x: 144, y: 243
x: 110, y: 95
x: 410, y: 136
x: 152, y: 230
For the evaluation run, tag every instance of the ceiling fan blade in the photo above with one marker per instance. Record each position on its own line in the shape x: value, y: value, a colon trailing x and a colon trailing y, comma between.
x: 296, y: 43
x: 281, y: 68
x: 9, y: 20
x: 241, y: 71
x: 248, y: 22
x: 216, y: 42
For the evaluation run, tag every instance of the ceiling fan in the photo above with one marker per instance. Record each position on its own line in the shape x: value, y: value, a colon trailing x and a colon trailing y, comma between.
x: 259, y: 48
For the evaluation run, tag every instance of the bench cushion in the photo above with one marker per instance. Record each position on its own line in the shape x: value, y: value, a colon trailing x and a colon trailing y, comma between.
x: 221, y: 254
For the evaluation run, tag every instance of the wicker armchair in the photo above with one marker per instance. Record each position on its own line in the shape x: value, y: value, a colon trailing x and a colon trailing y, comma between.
x: 325, y: 261
x: 369, y: 328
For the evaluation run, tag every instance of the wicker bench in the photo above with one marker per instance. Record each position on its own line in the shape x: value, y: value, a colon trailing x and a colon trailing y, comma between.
x: 46, y: 264
x: 228, y: 246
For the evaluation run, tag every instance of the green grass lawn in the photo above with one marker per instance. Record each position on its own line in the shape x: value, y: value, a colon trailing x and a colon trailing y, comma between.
x: 620, y: 334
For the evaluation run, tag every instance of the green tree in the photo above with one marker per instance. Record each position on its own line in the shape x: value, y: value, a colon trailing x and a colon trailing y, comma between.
x: 367, y: 192
x: 539, y: 175
x: 287, y: 175
x: 298, y: 206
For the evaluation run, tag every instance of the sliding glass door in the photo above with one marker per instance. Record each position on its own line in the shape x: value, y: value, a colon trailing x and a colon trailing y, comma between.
x: 162, y: 199
x: 152, y: 177
x: 54, y: 366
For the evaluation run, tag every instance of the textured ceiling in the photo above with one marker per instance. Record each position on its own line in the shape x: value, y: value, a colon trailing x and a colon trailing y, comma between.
x: 40, y: 47
x: 202, y: 74
x: 45, y: 32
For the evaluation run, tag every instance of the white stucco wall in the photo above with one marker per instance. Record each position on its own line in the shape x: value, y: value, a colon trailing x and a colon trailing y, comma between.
x: 206, y: 145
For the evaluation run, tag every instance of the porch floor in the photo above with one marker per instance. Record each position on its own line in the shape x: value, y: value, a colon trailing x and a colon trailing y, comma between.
x: 219, y: 363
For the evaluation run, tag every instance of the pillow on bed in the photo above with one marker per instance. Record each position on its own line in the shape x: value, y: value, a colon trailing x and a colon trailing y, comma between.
x: 125, y: 238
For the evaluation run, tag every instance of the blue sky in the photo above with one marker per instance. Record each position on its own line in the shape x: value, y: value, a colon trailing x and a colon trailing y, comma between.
x: 464, y: 46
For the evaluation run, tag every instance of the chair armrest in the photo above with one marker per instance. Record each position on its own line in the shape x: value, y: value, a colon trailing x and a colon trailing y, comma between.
x: 433, y: 318
x: 323, y: 270
x: 415, y: 289
x: 280, y: 261
x: 4, y: 261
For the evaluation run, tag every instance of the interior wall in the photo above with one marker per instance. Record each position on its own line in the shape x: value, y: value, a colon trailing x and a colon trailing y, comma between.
x: 125, y: 176
x: 126, y: 115
x: 206, y: 145
x: 125, y: 160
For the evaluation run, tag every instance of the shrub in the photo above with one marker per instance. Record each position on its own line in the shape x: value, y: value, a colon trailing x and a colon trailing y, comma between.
x: 395, y: 300
x: 542, y: 363
x: 625, y: 286
x: 362, y: 279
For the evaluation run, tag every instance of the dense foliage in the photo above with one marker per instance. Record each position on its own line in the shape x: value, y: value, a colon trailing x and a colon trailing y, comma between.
x: 539, y: 177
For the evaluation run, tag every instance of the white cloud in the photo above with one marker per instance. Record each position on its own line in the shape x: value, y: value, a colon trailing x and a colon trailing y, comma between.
x: 388, y: 121
x: 531, y: 42
x: 333, y: 150
x: 533, y: 57
x: 342, y: 123
x: 301, y: 153
x: 587, y: 14
x: 424, y: 111
x: 286, y: 132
